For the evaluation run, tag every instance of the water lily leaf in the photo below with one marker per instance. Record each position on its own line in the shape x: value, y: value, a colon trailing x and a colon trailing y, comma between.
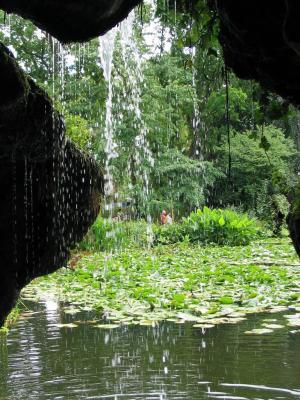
x: 295, y: 323
x: 235, y: 320
x: 189, y: 317
x: 259, y: 331
x: 72, y: 311
x: 203, y: 326
x: 112, y: 318
x: 148, y: 323
x: 268, y: 320
x: 86, y: 308
x: 71, y: 326
x: 82, y: 322
x: 277, y: 309
x: 107, y: 326
x: 273, y: 326
x: 223, y: 313
x: 214, y: 321
x: 237, y: 315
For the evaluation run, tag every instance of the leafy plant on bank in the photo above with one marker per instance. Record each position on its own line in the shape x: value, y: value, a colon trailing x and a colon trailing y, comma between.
x: 223, y: 227
x: 106, y: 235
x: 10, y: 320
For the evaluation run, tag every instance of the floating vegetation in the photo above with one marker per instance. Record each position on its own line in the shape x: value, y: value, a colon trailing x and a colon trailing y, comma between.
x: 70, y: 325
x: 72, y: 311
x: 270, y: 320
x: 148, y: 323
x: 235, y: 320
x: 107, y: 326
x: 203, y: 326
x: 180, y: 283
x: 294, y: 323
x: 273, y: 326
x: 259, y: 331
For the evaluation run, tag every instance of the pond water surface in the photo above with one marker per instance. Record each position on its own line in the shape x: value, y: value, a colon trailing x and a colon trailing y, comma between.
x: 39, y: 360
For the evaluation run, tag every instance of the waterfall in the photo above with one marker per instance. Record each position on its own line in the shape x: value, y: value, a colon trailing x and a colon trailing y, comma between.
x: 132, y: 61
x: 106, y: 53
x: 196, y: 113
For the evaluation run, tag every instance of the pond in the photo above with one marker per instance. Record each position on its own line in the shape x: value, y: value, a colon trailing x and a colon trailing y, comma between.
x: 40, y: 360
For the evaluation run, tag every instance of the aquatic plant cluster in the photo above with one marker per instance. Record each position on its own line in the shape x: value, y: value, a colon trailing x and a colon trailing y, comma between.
x: 204, y: 226
x: 182, y: 282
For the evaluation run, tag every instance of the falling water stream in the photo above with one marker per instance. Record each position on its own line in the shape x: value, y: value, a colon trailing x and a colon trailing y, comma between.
x: 132, y: 62
x: 106, y: 52
x: 40, y: 361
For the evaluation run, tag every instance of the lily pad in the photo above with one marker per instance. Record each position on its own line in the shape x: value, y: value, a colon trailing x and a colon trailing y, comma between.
x: 86, y: 308
x: 259, y: 331
x: 204, y: 326
x: 235, y: 320
x: 107, y: 326
x: 189, y: 317
x: 71, y: 326
x: 237, y: 314
x: 269, y: 320
x: 294, y: 323
x: 277, y: 309
x: 72, y: 311
x: 273, y: 326
x: 148, y: 323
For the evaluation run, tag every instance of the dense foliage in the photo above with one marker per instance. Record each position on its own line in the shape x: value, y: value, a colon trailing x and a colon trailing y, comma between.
x: 211, y: 226
x: 204, y: 285
x: 214, y: 140
x: 222, y: 227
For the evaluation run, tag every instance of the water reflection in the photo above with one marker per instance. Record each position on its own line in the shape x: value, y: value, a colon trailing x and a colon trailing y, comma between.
x: 41, y: 361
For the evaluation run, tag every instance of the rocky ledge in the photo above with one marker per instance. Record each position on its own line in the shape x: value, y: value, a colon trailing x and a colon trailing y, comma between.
x: 50, y: 192
x: 72, y: 20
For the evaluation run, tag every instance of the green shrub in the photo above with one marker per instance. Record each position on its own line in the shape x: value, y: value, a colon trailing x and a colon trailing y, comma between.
x: 220, y: 226
x: 168, y: 234
x: 106, y: 235
x: 223, y: 227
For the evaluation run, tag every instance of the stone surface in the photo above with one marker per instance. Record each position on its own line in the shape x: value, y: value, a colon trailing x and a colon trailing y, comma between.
x: 293, y: 221
x: 50, y: 192
x: 72, y: 20
x: 261, y: 41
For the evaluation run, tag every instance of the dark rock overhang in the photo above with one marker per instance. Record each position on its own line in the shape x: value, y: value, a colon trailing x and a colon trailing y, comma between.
x: 50, y: 191
x: 72, y: 20
x: 261, y: 41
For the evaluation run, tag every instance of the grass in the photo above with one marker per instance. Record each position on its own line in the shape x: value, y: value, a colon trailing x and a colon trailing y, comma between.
x: 10, y: 320
x: 179, y: 282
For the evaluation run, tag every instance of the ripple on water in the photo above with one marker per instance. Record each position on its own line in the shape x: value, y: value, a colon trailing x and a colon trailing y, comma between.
x: 41, y: 360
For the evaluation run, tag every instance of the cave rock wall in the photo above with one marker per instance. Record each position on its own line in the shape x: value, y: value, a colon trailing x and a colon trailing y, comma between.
x: 50, y: 192
x: 72, y: 20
